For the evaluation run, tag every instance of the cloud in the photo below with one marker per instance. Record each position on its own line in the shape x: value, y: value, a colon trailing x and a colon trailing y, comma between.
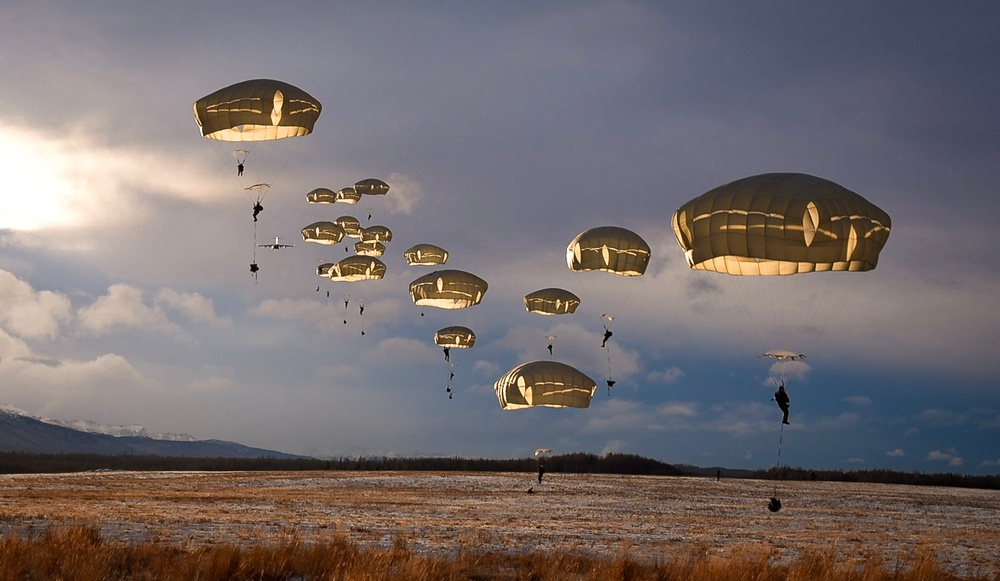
x: 324, y: 316
x: 666, y: 376
x: 405, y: 193
x: 949, y: 456
x: 400, y: 350
x: 194, y: 306
x: 859, y: 400
x: 855, y: 460
x: 28, y: 313
x: 989, y: 463
x: 122, y: 307
x: 897, y: 453
x: 12, y: 347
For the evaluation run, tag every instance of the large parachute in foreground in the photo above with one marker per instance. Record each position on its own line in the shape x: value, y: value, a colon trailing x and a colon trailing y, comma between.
x: 546, y: 384
x: 425, y: 255
x: 781, y: 224
x: 257, y: 110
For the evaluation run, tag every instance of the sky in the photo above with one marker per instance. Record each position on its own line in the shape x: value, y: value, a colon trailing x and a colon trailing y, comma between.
x: 504, y: 130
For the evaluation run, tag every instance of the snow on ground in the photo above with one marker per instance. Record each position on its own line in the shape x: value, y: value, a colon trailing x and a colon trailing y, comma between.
x: 598, y: 514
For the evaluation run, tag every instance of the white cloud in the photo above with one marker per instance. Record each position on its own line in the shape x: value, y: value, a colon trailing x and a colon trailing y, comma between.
x: 896, y: 453
x: 12, y: 347
x: 666, y: 376
x: 323, y: 316
x: 28, y: 313
x: 194, y: 306
x: 405, y: 193
x: 401, y: 349
x: 855, y: 460
x: 122, y: 307
x: 950, y: 456
x: 859, y: 400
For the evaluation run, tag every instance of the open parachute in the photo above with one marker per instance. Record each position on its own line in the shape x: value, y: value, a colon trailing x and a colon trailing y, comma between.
x: 545, y: 384
x: 781, y: 224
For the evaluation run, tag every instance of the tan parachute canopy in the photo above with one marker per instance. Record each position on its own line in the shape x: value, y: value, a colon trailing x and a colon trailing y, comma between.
x: 425, y: 255
x: 350, y: 224
x: 779, y: 224
x: 551, y: 301
x: 369, y: 248
x: 448, y: 289
x: 608, y: 249
x: 376, y: 233
x: 323, y: 233
x: 256, y: 110
x: 357, y: 268
x: 321, y: 196
x: 372, y: 187
x: 544, y: 383
x: 455, y: 337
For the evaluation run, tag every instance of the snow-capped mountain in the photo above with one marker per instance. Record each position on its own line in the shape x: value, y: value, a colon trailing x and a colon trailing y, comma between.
x: 22, y: 432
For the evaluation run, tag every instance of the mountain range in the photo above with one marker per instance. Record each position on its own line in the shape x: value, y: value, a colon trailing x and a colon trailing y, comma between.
x: 21, y: 432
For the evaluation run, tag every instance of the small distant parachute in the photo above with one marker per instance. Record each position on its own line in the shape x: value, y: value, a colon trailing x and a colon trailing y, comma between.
x: 546, y: 384
x: 327, y: 233
x: 372, y: 187
x: 357, y: 269
x: 782, y: 355
x: 455, y: 337
x: 369, y: 248
x: 350, y: 224
x: 448, y: 289
x: 551, y: 301
x: 608, y: 249
x: 376, y: 233
x: 541, y: 451
x: 321, y: 196
x: 425, y: 255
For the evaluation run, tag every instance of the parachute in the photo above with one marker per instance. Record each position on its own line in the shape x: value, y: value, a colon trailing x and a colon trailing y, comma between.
x: 781, y: 224
x: 369, y: 248
x: 350, y: 224
x: 327, y: 233
x: 425, y: 255
x: 256, y: 110
x: 448, y: 289
x: 376, y: 233
x: 551, y: 301
x: 372, y: 187
x: 546, y: 384
x: 455, y: 337
x: 357, y: 268
x: 608, y: 249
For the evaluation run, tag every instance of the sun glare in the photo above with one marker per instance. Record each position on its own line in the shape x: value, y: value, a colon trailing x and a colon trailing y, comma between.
x: 36, y: 191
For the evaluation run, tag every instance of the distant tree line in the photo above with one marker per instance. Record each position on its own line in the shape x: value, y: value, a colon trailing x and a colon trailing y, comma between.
x: 575, y: 463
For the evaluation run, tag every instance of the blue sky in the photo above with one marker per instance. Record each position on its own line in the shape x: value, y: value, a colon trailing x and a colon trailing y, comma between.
x: 504, y: 130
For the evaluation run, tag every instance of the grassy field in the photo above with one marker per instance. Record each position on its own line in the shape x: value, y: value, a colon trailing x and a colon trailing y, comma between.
x: 407, y: 525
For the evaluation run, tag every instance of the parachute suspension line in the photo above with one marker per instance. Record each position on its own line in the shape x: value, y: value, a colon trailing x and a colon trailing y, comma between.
x: 610, y: 380
x: 777, y: 473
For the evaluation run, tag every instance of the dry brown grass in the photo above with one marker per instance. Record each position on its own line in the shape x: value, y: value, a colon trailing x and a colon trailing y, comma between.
x: 79, y: 553
x: 398, y: 525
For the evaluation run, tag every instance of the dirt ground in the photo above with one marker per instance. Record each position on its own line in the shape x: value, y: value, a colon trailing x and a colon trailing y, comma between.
x: 650, y: 517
